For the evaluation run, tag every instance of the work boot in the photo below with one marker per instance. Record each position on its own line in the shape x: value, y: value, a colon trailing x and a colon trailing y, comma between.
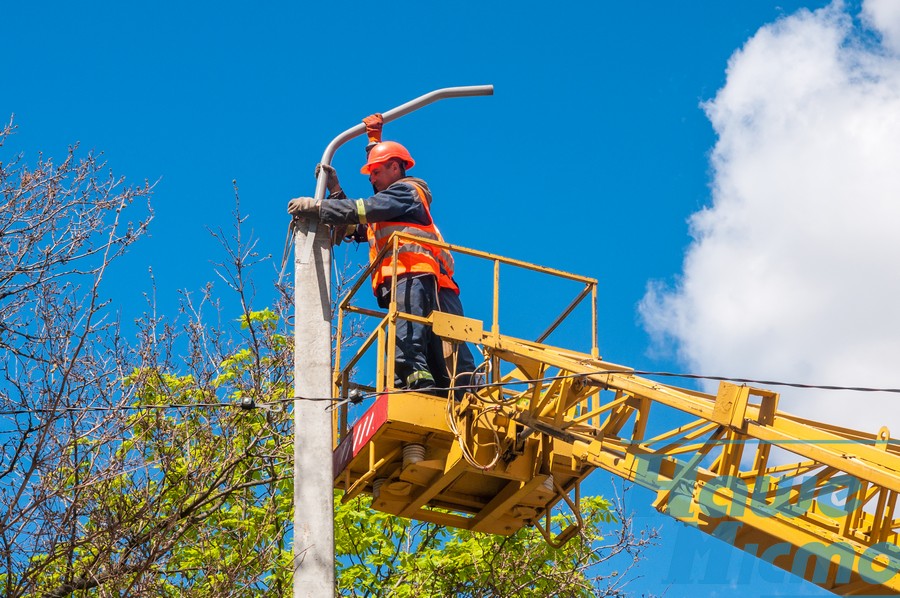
x: 419, y: 379
x: 422, y: 381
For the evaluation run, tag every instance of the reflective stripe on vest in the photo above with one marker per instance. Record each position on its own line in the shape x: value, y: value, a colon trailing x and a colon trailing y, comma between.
x: 413, y: 257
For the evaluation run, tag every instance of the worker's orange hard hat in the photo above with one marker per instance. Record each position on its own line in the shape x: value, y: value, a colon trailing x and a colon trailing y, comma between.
x: 383, y: 152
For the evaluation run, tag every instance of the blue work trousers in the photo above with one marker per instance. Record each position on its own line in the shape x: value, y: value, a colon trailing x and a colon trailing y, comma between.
x: 416, y: 295
x: 464, y: 374
x: 420, y: 354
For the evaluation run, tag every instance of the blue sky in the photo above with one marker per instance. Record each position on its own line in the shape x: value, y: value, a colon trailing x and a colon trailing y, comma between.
x: 591, y: 157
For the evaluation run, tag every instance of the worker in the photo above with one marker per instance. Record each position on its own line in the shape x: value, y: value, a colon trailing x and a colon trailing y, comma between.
x: 424, y: 272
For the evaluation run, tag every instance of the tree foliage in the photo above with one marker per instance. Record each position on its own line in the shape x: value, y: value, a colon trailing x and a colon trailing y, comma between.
x: 130, y: 468
x: 383, y: 555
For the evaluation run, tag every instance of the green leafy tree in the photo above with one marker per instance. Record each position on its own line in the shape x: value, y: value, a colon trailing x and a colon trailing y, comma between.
x: 383, y: 555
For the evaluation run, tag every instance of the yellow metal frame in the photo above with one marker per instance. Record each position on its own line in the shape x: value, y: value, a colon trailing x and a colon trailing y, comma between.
x: 827, y: 513
x: 384, y: 335
x: 527, y: 485
x: 825, y: 509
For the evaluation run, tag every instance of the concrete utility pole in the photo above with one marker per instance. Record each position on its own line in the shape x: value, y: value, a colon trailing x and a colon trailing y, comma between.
x: 313, y: 442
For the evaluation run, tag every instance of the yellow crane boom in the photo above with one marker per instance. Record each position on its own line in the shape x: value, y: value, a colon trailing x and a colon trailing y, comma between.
x: 813, y: 499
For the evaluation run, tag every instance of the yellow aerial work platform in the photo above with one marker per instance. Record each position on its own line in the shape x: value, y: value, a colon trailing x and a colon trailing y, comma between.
x: 405, y: 453
x: 816, y: 500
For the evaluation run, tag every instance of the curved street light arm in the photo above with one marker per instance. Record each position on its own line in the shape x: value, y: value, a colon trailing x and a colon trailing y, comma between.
x: 394, y: 114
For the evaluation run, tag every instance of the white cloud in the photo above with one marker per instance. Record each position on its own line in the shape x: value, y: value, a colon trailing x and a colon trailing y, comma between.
x: 884, y: 17
x: 794, y: 271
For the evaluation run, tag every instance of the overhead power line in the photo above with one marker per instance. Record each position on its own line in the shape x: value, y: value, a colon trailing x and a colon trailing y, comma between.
x: 279, y: 403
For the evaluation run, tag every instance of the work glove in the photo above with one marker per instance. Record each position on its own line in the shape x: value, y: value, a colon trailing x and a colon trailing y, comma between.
x: 334, y: 186
x: 373, y: 124
x: 300, y: 206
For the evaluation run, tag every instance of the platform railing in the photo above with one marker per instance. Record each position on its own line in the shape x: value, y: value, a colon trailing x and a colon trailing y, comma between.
x: 383, y: 337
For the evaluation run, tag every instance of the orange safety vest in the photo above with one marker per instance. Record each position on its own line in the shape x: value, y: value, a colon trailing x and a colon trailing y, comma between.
x: 412, y: 257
